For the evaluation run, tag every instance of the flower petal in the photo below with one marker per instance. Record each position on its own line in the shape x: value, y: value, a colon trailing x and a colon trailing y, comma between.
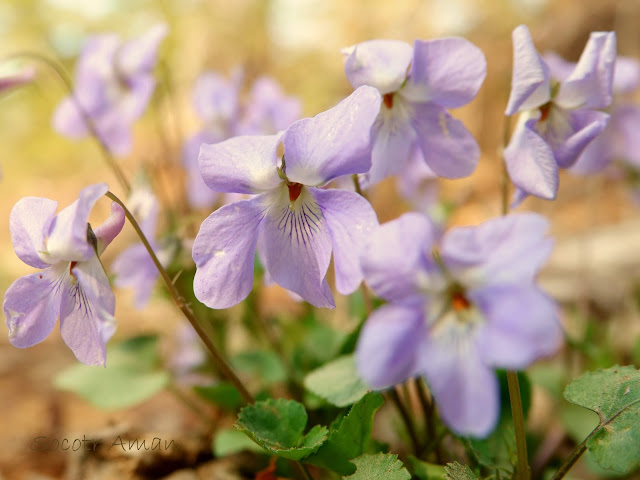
x: 68, y: 119
x: 351, y: 220
x: 224, y: 251
x: 296, y: 244
x: 95, y: 75
x: 626, y: 75
x: 86, y: 312
x: 590, y: 84
x: 29, y: 223
x: 134, y: 268
x: 522, y: 326
x: 530, y: 83
x: 139, y: 56
x: 393, y: 141
x: 586, y: 125
x: 382, y: 64
x: 464, y: 388
x: 269, y: 110
x: 394, y: 260
x: 215, y: 97
x: 503, y: 250
x: 388, y: 345
x: 530, y: 161
x: 448, y: 147
x: 245, y: 164
x: 446, y: 71
x: 32, y: 305
x: 198, y: 194
x: 110, y: 228
x: 333, y: 143
x: 68, y: 236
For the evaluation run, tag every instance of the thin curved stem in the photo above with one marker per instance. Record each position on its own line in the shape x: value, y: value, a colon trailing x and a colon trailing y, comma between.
x: 62, y: 74
x: 220, y: 362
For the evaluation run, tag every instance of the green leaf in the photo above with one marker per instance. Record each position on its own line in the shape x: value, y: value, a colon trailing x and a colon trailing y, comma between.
x: 381, y: 466
x: 457, y: 471
x: 262, y: 364
x: 130, y: 377
x: 228, y: 441
x: 278, y: 426
x: 223, y: 394
x: 337, y: 382
x: 426, y: 471
x: 614, y: 394
x: 350, y: 438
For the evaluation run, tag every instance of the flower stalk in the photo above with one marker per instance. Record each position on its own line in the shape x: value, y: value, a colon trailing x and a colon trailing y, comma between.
x: 223, y: 367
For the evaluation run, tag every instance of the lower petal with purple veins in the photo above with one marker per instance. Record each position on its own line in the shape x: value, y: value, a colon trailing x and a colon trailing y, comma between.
x: 86, y: 312
x: 297, y: 245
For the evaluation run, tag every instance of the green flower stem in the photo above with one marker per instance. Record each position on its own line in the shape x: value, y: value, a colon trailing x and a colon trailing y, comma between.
x: 303, y: 471
x: 406, y: 418
x: 220, y: 362
x: 523, y: 471
x: 62, y: 74
x: 428, y: 409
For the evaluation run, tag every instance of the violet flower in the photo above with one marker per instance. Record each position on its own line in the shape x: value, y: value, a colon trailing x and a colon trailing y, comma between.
x: 558, y: 117
x: 296, y: 224
x: 456, y: 314
x: 72, y: 284
x: 113, y: 85
x: 619, y: 141
x: 418, y: 85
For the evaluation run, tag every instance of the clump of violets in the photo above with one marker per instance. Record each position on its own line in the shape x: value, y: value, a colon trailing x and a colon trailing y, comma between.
x: 418, y: 85
x: 559, y: 117
x: 457, y: 311
x: 71, y: 284
x: 225, y: 114
x: 113, y: 85
x: 295, y: 225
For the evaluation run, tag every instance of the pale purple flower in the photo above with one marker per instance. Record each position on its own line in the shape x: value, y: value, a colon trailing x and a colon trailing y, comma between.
x: 71, y: 284
x: 620, y: 140
x: 268, y: 109
x: 418, y: 85
x: 457, y: 311
x: 297, y: 225
x: 113, y: 84
x: 558, y: 116
x: 218, y: 103
x: 134, y: 268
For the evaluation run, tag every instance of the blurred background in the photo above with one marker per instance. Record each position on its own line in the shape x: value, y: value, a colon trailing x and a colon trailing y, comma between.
x: 595, y: 267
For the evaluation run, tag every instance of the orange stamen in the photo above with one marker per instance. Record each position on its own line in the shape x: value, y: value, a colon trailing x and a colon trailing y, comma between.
x: 387, y: 98
x: 295, y: 189
x: 544, y: 111
x: 459, y: 302
x: 71, y: 265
